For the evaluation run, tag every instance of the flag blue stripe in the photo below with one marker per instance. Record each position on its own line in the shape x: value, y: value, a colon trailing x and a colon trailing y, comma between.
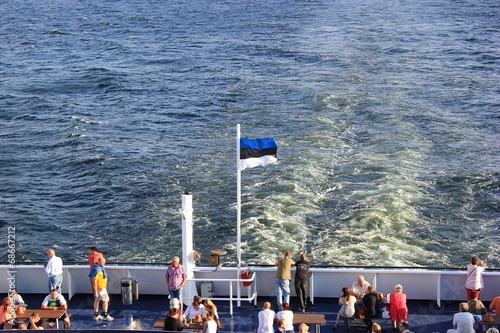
x: 258, y: 143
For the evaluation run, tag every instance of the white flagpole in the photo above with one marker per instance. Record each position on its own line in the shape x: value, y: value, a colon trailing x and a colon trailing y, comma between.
x: 238, y: 198
x: 238, y: 213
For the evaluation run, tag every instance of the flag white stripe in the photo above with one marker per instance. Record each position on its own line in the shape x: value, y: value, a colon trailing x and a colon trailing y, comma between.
x: 257, y: 161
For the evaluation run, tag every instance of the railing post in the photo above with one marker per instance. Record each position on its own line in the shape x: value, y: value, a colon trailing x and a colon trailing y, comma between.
x: 255, y: 288
x: 311, y: 288
x: 238, y: 287
x: 438, y: 287
x: 231, y: 298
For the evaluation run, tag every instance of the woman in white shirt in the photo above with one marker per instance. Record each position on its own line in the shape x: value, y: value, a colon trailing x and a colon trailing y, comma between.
x: 347, y: 302
x: 287, y: 315
x: 474, y: 280
x: 195, y: 308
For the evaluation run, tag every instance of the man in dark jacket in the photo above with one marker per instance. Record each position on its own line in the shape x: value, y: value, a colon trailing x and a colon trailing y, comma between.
x: 301, y: 280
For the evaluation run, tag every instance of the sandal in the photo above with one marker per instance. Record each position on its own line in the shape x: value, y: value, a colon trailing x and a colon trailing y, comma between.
x: 335, y: 327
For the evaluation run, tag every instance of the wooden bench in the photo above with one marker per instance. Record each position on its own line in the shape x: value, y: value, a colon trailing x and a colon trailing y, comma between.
x: 356, y: 324
x: 298, y: 318
x: 194, y: 326
x: 310, y: 319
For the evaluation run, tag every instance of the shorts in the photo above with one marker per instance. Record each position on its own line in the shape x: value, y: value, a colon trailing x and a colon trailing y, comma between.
x: 176, y: 294
x: 102, y: 295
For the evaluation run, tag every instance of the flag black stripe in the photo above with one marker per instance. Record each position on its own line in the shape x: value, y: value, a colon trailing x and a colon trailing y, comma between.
x: 249, y: 152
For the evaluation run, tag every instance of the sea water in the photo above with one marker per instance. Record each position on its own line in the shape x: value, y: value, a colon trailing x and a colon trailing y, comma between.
x: 386, y: 114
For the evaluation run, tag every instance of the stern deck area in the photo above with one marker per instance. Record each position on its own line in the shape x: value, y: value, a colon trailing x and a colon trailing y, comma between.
x: 424, y: 316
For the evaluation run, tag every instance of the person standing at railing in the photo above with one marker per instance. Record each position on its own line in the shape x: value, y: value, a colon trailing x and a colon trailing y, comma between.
x: 474, y: 280
x: 54, y: 269
x: 283, y: 277
x: 94, y: 256
x: 301, y: 280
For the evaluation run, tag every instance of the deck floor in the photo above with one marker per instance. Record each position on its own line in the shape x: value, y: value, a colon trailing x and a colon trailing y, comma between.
x: 425, y: 316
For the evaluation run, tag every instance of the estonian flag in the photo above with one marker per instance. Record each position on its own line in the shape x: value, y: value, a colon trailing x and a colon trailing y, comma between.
x: 257, y: 152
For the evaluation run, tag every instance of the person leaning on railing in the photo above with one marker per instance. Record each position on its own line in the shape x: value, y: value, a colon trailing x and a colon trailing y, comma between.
x: 474, y: 280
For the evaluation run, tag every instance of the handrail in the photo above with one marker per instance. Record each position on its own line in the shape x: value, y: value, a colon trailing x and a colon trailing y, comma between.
x: 387, y: 267
x: 166, y: 264
x: 438, y: 285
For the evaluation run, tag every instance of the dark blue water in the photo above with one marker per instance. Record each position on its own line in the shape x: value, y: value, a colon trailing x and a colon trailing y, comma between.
x: 386, y: 114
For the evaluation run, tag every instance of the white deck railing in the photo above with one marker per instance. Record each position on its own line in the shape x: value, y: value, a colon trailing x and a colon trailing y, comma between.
x: 418, y: 284
x: 252, y: 289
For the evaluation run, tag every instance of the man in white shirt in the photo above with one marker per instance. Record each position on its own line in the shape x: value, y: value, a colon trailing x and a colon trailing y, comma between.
x: 54, y: 270
x: 359, y: 287
x: 463, y: 322
x: 266, y: 319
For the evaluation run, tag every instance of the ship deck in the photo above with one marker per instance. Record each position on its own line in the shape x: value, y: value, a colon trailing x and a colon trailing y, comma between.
x: 425, y: 316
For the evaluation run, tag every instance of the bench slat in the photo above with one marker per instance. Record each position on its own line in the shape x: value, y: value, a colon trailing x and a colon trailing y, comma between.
x: 161, y: 321
x: 298, y: 318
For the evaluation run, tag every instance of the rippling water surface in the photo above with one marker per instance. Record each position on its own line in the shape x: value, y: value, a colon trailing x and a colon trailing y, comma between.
x: 386, y: 114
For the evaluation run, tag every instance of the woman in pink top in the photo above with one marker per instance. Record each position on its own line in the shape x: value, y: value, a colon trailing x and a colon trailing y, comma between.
x: 4, y: 308
x: 474, y: 280
x: 398, y: 310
